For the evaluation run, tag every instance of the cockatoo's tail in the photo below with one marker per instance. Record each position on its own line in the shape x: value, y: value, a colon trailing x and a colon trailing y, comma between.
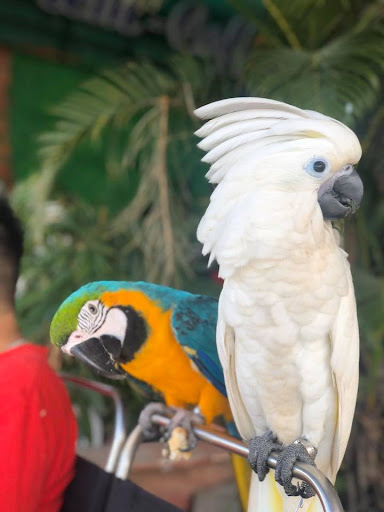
x: 287, y: 330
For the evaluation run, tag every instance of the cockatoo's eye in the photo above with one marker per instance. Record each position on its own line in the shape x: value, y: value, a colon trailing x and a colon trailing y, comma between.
x: 92, y: 309
x: 317, y: 167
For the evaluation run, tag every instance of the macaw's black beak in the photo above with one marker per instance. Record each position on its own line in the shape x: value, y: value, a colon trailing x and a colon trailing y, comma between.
x: 100, y: 354
x: 341, y: 196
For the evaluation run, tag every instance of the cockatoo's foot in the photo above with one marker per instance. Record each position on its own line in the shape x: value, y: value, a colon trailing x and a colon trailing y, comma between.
x: 300, y: 451
x: 186, y: 420
x: 150, y: 430
x: 260, y: 448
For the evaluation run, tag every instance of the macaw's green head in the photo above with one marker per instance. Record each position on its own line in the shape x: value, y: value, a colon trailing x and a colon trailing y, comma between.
x: 98, y: 325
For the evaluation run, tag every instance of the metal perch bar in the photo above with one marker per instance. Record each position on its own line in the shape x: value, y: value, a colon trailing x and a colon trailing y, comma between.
x: 128, y: 453
x: 319, y: 482
x: 119, y: 433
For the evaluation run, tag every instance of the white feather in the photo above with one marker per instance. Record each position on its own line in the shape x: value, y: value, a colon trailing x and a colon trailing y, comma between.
x: 345, y: 367
x: 226, y: 351
x: 233, y: 143
x: 227, y: 106
x: 218, y: 123
x: 240, y: 128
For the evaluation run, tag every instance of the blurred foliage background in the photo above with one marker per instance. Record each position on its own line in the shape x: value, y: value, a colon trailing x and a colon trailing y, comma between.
x: 110, y: 186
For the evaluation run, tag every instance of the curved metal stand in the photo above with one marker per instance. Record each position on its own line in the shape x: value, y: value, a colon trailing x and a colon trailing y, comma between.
x: 319, y: 482
x: 128, y: 452
x: 119, y: 433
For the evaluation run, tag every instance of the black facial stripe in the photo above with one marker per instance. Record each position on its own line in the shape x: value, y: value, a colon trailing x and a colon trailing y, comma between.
x: 135, y: 336
x: 82, y: 324
x: 98, y: 317
x: 89, y: 322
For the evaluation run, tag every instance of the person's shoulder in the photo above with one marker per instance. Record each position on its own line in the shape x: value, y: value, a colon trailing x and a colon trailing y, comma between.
x: 26, y: 364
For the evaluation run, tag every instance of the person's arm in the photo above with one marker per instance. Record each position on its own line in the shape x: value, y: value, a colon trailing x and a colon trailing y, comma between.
x: 58, y: 436
x: 22, y: 463
x: 37, y: 436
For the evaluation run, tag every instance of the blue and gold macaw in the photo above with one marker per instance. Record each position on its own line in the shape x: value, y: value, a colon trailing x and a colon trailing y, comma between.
x: 162, y: 337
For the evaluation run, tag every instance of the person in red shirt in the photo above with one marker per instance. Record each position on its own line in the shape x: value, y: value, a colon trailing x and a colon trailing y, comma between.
x: 37, y: 425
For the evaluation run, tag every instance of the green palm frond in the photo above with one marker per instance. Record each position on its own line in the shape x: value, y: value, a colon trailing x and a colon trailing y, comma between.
x: 73, y: 250
x: 341, y: 79
x: 151, y: 214
x: 307, y: 23
x: 329, y: 55
x: 115, y: 97
x: 141, y: 112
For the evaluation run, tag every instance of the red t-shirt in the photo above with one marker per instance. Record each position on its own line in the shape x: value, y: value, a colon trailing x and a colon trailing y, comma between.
x: 37, y: 432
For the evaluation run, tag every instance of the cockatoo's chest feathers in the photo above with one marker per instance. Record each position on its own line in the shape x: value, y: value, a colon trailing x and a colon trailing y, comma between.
x: 263, y: 227
x: 299, y: 291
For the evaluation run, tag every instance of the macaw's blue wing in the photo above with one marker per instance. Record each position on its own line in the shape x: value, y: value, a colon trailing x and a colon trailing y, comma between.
x: 194, y: 320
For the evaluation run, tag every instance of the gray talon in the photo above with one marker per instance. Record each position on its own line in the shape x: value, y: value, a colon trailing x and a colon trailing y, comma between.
x: 179, y: 418
x: 186, y: 420
x: 150, y: 430
x: 283, y: 473
x: 260, y: 448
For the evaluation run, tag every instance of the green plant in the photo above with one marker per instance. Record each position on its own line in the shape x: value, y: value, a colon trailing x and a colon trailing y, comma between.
x: 326, y: 56
x: 145, y: 113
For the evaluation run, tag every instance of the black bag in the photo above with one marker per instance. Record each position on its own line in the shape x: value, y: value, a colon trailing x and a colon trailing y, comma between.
x: 95, y: 490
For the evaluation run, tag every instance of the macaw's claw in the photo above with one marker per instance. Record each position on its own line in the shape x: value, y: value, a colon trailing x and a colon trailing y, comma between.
x: 186, y: 420
x: 293, y: 453
x: 150, y: 430
x: 260, y: 448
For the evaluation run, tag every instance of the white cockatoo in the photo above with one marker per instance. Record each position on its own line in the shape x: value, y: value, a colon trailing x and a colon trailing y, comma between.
x: 287, y: 329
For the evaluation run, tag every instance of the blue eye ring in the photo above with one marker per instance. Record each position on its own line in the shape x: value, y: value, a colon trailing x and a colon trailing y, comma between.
x: 318, y: 167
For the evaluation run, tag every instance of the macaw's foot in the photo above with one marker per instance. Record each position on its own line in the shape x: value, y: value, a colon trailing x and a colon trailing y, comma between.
x: 185, y: 420
x: 150, y: 430
x: 260, y: 448
x: 300, y: 451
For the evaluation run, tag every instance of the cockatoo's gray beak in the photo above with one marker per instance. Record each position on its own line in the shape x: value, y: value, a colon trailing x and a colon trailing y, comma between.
x: 341, y: 195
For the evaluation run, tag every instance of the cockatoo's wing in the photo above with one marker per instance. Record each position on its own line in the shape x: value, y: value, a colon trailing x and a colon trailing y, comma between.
x: 345, y: 367
x: 225, y: 339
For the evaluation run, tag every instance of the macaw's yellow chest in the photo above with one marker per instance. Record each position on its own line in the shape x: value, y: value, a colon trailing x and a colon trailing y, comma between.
x: 162, y: 363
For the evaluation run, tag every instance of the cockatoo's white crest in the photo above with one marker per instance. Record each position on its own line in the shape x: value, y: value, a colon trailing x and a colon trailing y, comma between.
x: 258, y: 150
x: 241, y: 129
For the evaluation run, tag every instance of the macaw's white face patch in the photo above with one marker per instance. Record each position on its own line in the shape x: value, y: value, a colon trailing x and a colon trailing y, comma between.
x: 91, y: 317
x: 96, y: 320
